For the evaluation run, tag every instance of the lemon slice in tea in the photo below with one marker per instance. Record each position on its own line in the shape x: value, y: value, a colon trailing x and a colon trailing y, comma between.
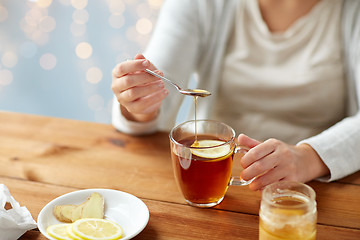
x: 97, y: 229
x: 59, y: 231
x: 217, y: 150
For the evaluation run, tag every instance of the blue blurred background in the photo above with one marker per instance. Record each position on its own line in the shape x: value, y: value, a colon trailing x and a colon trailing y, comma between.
x: 56, y: 56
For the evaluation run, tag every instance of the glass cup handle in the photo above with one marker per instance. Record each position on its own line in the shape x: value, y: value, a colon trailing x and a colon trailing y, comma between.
x: 237, y: 180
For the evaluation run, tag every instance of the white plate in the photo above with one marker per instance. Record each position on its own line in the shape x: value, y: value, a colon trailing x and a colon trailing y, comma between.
x: 123, y: 208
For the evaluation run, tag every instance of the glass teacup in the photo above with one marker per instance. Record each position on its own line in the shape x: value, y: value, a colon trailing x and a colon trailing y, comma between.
x: 203, y: 164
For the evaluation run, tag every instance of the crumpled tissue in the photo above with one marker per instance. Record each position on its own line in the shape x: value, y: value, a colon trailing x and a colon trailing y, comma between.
x: 16, y: 221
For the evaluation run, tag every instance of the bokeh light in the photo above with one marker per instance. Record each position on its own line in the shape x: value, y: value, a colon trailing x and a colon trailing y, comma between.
x: 6, y: 77
x: 33, y: 16
x: 156, y: 4
x: 47, y: 61
x: 9, y: 59
x: 37, y: 24
x: 130, y: 2
x: 80, y: 16
x: 72, y: 42
x: 94, y: 75
x: 83, y: 50
x: 65, y: 2
x: 47, y: 24
x: 3, y: 13
x: 44, y: 3
x: 144, y: 26
x: 79, y: 4
x: 116, y: 6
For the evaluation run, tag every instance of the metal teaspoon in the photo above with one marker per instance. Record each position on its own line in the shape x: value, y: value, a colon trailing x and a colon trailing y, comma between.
x: 191, y: 92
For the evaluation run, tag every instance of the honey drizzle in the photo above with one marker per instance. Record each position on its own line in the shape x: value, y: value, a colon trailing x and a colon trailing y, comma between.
x: 196, y: 143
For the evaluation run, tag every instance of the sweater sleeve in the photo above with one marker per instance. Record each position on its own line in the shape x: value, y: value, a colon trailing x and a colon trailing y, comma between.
x: 173, y: 49
x: 339, y: 146
x: 130, y: 127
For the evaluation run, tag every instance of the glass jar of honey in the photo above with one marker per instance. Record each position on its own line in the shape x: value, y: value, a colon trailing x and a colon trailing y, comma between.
x: 288, y: 211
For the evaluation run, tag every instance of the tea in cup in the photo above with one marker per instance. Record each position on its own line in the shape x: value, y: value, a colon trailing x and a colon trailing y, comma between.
x: 202, y: 163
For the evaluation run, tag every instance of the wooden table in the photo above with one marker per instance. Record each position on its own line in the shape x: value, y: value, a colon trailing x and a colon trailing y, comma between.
x: 42, y: 158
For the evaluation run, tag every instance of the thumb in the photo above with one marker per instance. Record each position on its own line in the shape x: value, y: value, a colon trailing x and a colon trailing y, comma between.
x: 140, y: 56
x: 244, y: 140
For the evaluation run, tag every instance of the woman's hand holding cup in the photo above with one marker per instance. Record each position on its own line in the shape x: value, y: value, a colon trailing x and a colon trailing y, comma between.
x: 273, y: 160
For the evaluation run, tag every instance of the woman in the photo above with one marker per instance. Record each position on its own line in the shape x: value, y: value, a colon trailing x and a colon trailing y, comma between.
x: 284, y: 72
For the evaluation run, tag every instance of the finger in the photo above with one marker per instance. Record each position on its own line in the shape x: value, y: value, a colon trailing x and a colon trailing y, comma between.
x: 244, y: 140
x: 260, y: 167
x: 256, y: 153
x: 274, y: 175
x: 139, y: 56
x: 148, y: 103
x: 130, y: 66
x: 133, y: 80
x: 141, y: 91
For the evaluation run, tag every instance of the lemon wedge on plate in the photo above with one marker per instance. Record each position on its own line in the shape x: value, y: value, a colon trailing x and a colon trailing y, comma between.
x: 97, y: 229
x: 59, y: 231
x: 217, y: 150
